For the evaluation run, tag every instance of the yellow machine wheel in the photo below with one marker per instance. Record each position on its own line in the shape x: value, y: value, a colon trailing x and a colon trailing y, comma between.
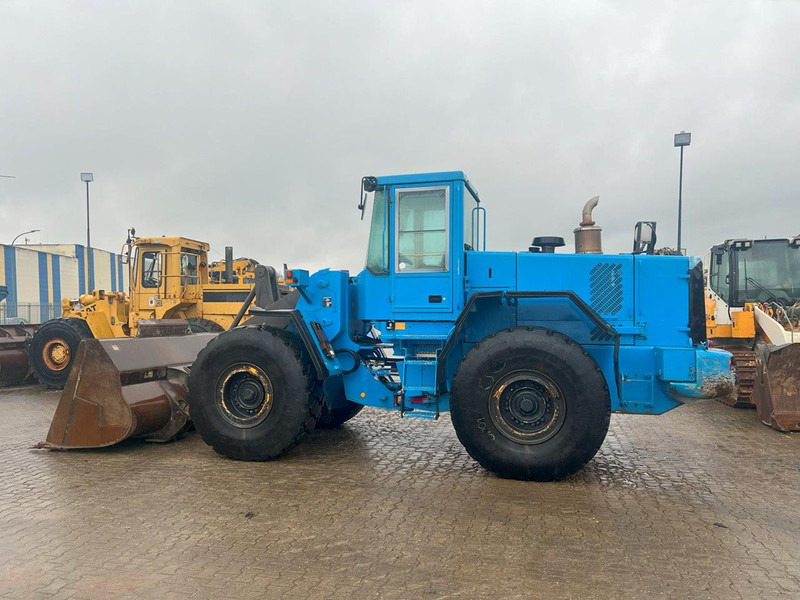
x: 56, y: 354
x: 53, y: 348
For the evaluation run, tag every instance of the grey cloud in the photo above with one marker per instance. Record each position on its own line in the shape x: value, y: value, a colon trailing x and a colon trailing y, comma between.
x: 251, y: 123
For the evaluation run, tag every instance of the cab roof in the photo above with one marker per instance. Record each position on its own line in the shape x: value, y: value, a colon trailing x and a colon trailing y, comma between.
x: 171, y: 241
x: 426, y: 178
x: 422, y: 178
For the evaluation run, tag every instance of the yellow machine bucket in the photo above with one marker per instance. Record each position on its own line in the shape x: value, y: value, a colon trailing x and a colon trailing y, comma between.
x: 776, y: 393
x: 125, y: 387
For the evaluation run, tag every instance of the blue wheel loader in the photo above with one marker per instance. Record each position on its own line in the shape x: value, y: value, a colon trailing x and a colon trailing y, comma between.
x: 530, y: 351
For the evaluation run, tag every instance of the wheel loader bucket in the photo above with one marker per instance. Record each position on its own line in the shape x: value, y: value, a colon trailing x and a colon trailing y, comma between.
x: 14, y: 366
x: 125, y: 387
x: 776, y: 393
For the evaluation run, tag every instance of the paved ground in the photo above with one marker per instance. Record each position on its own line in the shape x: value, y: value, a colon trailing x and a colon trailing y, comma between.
x: 703, y: 502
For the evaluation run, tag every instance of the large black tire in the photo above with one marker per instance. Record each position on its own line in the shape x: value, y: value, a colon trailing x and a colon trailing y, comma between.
x: 342, y: 411
x: 334, y: 417
x: 250, y: 393
x: 53, y: 347
x: 204, y: 326
x: 531, y: 404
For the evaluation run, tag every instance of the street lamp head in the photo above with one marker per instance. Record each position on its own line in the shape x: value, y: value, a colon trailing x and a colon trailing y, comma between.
x: 683, y: 139
x: 23, y: 233
x: 87, y: 177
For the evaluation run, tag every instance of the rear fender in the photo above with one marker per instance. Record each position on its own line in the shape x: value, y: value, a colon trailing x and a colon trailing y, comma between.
x: 486, y: 313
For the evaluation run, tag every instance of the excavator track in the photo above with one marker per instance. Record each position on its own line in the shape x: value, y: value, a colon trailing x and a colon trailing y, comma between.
x: 745, y: 363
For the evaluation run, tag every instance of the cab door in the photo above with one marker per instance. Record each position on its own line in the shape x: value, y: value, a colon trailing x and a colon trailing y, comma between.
x: 190, y: 274
x: 148, y: 288
x: 422, y: 286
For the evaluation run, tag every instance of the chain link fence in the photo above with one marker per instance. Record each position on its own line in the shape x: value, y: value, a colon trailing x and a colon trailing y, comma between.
x: 24, y: 313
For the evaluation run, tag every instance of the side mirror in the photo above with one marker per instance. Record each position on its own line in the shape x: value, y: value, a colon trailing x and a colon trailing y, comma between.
x: 644, y: 237
x: 368, y: 184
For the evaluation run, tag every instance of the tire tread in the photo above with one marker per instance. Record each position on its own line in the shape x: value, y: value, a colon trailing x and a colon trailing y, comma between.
x: 80, y: 329
x: 231, y: 448
x: 507, y: 339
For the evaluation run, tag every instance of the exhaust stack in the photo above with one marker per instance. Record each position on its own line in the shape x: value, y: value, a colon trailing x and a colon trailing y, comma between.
x: 588, y: 235
x: 228, y: 264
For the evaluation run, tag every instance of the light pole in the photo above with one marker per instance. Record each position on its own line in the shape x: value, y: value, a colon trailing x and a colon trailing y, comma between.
x: 23, y: 233
x: 87, y: 178
x: 681, y: 139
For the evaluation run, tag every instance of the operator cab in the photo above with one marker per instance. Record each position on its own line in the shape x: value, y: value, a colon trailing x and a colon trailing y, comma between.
x: 165, y: 267
x: 742, y: 271
x: 419, y: 229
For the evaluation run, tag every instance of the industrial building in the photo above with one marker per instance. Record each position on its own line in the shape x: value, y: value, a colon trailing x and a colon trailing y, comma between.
x: 37, y: 277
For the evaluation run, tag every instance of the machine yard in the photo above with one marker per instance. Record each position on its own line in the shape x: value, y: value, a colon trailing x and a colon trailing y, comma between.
x: 512, y: 364
x: 551, y: 350
x: 700, y: 502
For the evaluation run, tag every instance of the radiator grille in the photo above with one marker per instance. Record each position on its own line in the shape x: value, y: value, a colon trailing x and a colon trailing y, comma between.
x: 605, y: 287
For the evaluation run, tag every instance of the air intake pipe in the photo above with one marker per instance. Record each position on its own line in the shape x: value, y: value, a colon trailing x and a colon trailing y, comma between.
x: 588, y: 235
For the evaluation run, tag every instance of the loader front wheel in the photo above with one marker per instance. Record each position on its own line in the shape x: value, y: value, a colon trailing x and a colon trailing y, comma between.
x: 53, y: 347
x: 334, y: 417
x: 531, y: 404
x: 250, y: 393
x: 336, y: 408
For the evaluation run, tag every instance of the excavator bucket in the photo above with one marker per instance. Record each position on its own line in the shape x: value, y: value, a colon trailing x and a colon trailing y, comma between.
x: 125, y: 387
x: 14, y: 366
x: 776, y: 393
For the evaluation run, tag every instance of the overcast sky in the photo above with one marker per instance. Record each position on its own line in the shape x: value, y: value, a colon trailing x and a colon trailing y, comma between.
x: 251, y: 123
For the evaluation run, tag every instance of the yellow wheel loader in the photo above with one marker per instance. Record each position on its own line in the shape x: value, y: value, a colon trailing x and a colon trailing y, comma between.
x: 242, y: 270
x: 168, y: 279
x: 753, y: 311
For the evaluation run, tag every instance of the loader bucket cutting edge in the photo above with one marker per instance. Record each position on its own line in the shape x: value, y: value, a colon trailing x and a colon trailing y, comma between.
x: 776, y: 393
x: 125, y: 387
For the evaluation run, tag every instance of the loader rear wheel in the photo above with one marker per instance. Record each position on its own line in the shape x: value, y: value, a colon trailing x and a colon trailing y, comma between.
x: 53, y: 347
x: 531, y: 404
x: 250, y: 393
x: 204, y: 326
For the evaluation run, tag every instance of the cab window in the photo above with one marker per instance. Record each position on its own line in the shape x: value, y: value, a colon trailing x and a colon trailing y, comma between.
x: 719, y: 275
x: 378, y: 250
x: 422, y: 230
x: 189, y: 269
x: 151, y: 269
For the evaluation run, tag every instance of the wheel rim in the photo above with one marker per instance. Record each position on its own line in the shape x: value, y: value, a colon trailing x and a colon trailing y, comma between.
x: 244, y: 395
x: 527, y: 407
x: 56, y: 354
